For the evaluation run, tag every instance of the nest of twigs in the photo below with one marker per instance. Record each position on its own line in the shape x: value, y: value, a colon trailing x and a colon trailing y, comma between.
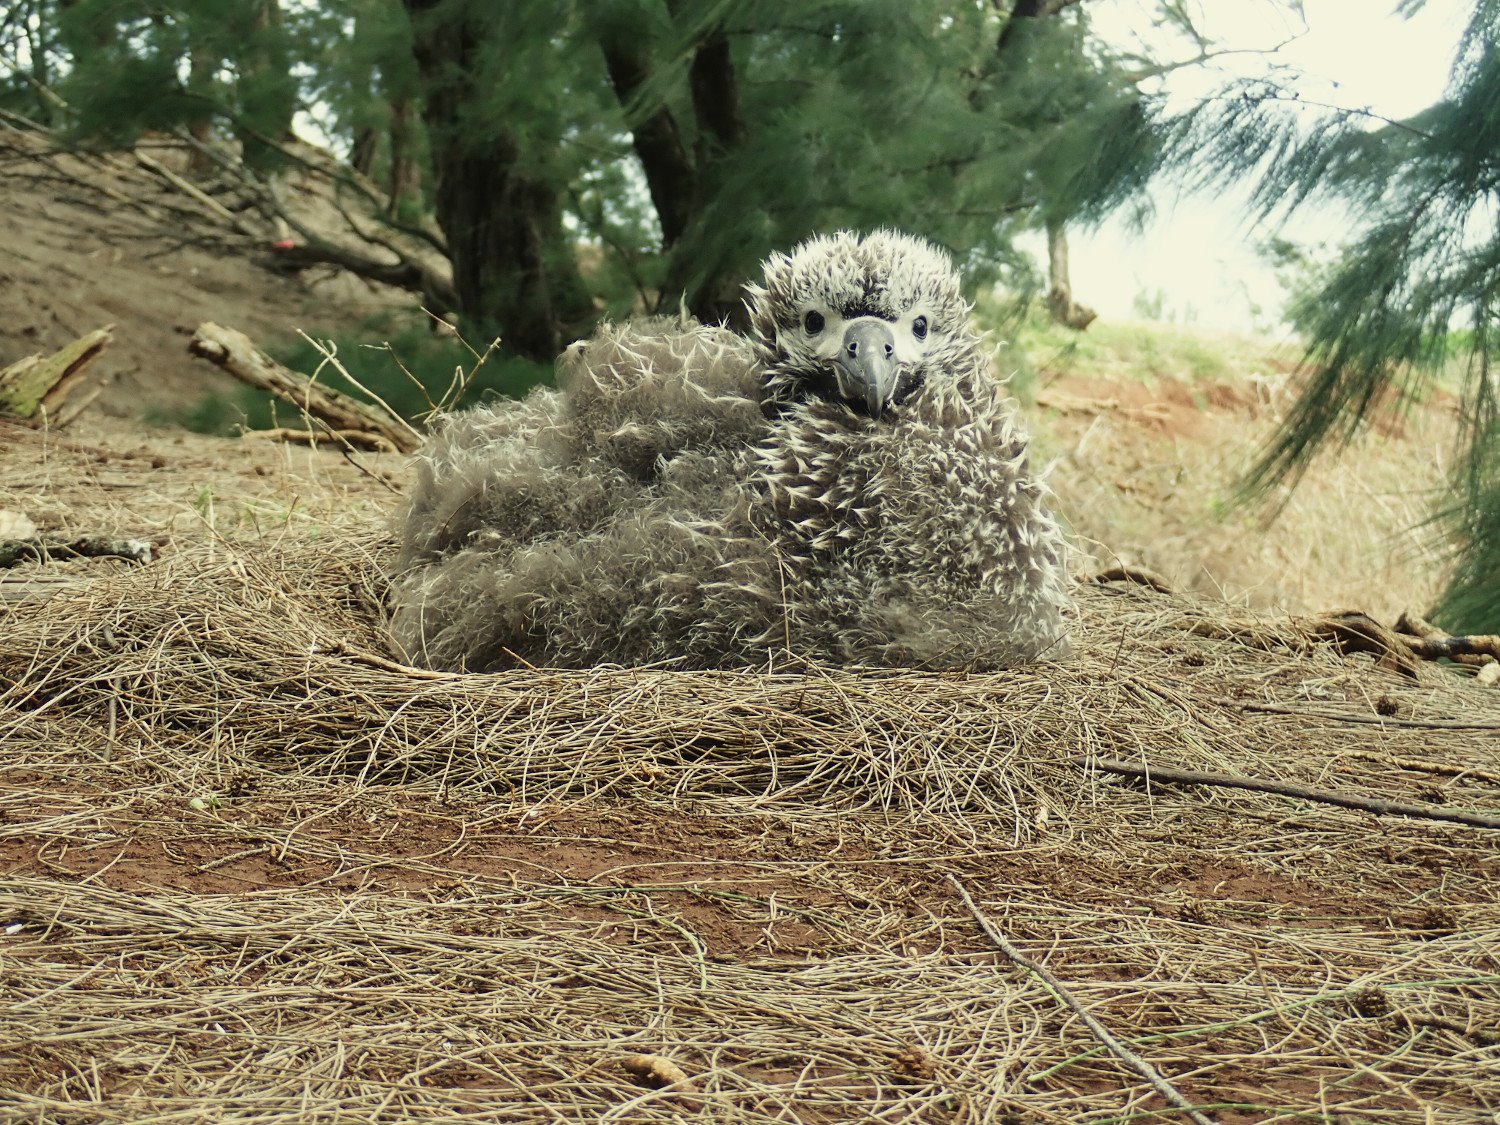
x: 736, y: 877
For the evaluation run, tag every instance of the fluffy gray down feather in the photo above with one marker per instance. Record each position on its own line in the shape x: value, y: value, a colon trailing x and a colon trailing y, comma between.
x: 692, y: 497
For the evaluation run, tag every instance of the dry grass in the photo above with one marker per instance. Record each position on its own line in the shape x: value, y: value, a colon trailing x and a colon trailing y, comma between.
x: 1348, y: 968
x: 255, y: 871
x: 1146, y: 473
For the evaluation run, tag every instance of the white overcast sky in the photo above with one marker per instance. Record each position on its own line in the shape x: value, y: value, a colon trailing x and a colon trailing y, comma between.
x: 1200, y: 252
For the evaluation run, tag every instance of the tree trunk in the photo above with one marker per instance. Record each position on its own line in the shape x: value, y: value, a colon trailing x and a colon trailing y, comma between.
x: 366, y: 147
x: 202, y: 64
x: 716, y: 97
x: 1026, y: 10
x: 1060, y: 301
x: 514, y: 268
x: 711, y: 286
x: 406, y: 174
x: 671, y: 178
x: 267, y: 89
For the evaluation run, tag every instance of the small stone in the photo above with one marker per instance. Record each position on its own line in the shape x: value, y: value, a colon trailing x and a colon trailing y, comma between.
x: 15, y: 525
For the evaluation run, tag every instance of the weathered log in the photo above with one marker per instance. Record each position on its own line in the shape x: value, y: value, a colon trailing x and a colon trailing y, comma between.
x: 237, y: 354
x: 56, y: 387
x: 40, y: 549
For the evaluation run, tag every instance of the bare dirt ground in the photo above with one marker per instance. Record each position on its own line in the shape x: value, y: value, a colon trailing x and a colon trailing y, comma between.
x: 254, y: 869
x: 86, y: 242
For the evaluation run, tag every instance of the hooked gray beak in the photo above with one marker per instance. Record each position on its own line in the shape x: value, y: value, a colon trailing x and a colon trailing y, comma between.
x: 867, y: 363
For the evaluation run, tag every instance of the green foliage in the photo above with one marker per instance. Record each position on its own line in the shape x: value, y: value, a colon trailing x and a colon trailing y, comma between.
x: 688, y: 142
x: 143, y: 94
x: 106, y: 71
x: 1303, y: 270
x: 215, y: 413
x: 1423, y: 258
x: 964, y: 146
x: 950, y: 119
x: 411, y: 368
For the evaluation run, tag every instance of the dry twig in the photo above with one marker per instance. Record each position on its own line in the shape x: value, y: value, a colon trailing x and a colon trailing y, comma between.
x: 236, y: 354
x: 49, y: 549
x: 1136, y: 575
x: 1158, y: 1081
x: 1377, y: 805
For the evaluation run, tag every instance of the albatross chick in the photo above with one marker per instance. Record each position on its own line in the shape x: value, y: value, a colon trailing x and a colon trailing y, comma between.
x: 850, y: 484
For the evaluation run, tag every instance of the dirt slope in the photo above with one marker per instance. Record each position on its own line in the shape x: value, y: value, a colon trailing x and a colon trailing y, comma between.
x: 91, y: 241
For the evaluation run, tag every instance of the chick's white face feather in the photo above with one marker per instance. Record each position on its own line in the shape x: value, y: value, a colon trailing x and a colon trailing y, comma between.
x: 861, y: 320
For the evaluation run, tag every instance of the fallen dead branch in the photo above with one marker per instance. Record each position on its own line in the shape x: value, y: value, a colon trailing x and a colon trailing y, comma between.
x: 235, y: 353
x: 37, y: 586
x: 358, y: 439
x: 388, y: 665
x: 1453, y: 647
x: 1349, y: 631
x: 1158, y: 1081
x: 411, y: 258
x: 1377, y: 805
x: 1353, y: 631
x: 1137, y: 575
x: 56, y: 387
x: 1368, y: 720
x: 435, y: 290
x: 13, y: 551
x: 1415, y: 625
x: 1440, y: 769
x: 1073, y: 404
x: 196, y: 194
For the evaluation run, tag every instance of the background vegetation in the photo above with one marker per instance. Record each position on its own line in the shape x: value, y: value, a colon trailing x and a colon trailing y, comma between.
x: 579, y: 160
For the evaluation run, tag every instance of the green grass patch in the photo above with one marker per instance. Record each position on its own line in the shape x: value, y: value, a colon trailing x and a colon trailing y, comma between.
x: 398, y: 360
x: 402, y: 362
x: 1038, y: 348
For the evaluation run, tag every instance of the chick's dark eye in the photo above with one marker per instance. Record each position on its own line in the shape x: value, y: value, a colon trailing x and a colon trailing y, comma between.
x: 813, y: 322
x: 919, y: 328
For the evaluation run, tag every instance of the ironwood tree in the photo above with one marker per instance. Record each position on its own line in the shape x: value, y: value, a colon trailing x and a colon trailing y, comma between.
x: 125, y: 67
x: 1411, y: 294
x: 600, y: 158
x: 496, y: 83
x: 727, y: 130
x: 596, y: 158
